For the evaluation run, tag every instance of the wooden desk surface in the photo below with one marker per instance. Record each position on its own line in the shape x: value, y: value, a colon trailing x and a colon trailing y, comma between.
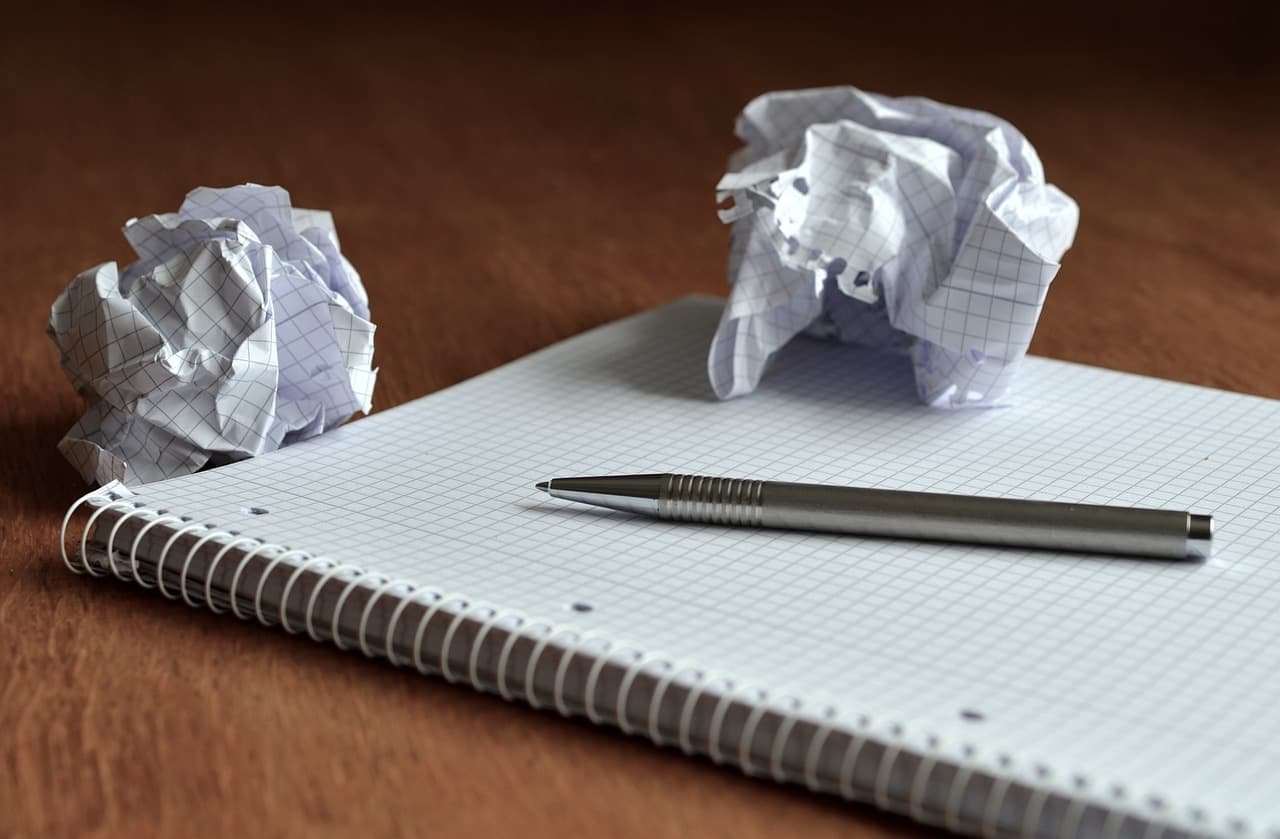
x: 501, y: 184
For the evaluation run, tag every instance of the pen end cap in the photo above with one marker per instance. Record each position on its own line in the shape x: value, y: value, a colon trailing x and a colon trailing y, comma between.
x: 1199, y: 536
x: 545, y: 486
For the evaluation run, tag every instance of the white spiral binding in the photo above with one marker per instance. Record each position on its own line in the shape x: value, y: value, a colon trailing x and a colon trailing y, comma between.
x: 450, y: 633
x: 164, y: 553
x: 574, y: 643
x: 848, y: 763
x: 263, y: 548
x: 299, y: 569
x: 1035, y: 806
x: 424, y: 621
x: 633, y: 670
x: 531, y: 668
x: 186, y: 566
x: 111, y: 539
x: 654, y: 715
x: 1075, y: 812
x: 562, y: 671
x: 473, y: 660
x: 137, y: 540
x: 684, y: 733
x: 504, y: 658
x: 1155, y: 830
x: 880, y: 788
x: 216, y: 562
x: 758, y: 709
x: 1111, y: 827
x: 362, y: 632
x: 593, y: 679
x: 335, y: 623
x: 84, y: 547
x: 335, y: 570
x: 919, y: 785
x: 991, y: 809
x: 718, y: 714
x: 780, y: 739
x: 262, y: 584
x: 813, y: 754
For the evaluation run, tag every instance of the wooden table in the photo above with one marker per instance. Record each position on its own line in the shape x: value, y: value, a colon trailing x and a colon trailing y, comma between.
x: 504, y: 183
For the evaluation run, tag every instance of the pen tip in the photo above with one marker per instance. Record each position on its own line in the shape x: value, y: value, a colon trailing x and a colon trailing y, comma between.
x: 545, y: 486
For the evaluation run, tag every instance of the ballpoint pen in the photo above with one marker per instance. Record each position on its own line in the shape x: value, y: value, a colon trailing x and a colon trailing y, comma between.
x: 1167, y: 534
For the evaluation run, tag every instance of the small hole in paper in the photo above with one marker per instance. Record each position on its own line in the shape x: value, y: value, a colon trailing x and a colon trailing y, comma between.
x: 579, y: 606
x: 972, y: 715
x: 254, y: 511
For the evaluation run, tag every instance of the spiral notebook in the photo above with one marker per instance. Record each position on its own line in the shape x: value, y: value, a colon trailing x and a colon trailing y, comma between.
x: 997, y: 692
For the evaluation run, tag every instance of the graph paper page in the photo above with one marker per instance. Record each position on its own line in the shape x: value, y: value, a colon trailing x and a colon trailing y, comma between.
x: 1117, y: 677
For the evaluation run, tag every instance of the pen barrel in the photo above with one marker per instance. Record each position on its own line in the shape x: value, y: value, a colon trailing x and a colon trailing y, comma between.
x: 1167, y: 534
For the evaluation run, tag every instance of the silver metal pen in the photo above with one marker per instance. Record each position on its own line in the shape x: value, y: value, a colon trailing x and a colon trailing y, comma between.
x: 1167, y: 534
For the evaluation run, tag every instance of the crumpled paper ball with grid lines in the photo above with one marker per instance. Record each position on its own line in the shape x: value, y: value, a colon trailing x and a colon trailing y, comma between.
x: 240, y: 328
x: 897, y: 223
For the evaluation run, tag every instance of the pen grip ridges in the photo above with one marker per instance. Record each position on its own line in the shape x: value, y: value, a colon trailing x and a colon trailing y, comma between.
x: 712, y: 500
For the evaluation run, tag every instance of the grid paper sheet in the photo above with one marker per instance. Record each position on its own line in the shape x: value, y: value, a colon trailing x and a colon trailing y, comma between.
x: 888, y: 222
x: 1155, y: 683
x: 240, y: 328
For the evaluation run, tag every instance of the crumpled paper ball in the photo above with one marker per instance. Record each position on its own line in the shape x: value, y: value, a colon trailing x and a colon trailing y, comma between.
x: 897, y: 223
x: 241, y: 328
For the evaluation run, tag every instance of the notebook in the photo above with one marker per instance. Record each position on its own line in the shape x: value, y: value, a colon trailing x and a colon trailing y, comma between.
x: 995, y: 692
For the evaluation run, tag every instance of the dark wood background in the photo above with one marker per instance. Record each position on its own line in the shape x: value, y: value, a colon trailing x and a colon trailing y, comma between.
x: 503, y: 181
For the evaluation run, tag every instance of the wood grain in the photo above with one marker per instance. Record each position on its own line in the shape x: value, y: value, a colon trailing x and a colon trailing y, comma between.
x: 503, y: 182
